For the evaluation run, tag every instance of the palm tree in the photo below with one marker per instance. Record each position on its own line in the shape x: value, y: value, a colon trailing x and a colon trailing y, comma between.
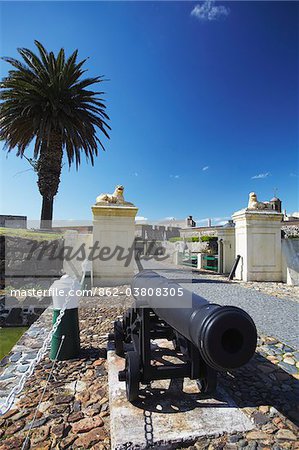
x: 45, y: 100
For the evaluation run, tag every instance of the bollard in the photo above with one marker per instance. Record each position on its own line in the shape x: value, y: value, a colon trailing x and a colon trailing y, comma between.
x: 65, y: 287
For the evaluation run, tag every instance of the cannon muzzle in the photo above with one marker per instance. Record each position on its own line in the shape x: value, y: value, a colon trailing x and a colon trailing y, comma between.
x: 225, y: 336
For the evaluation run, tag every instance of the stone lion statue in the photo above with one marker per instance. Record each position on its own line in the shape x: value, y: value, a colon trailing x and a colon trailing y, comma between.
x: 117, y: 198
x: 254, y: 204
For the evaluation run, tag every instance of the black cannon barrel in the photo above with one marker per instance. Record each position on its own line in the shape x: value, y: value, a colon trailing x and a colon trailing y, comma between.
x: 225, y: 335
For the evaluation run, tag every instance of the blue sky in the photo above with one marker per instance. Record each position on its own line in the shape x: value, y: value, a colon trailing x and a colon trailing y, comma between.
x: 203, y: 103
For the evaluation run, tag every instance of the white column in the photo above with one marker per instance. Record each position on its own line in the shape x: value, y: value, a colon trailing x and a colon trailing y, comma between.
x: 200, y: 260
x: 176, y: 257
x: 113, y: 244
x: 227, y: 234
x: 258, y: 242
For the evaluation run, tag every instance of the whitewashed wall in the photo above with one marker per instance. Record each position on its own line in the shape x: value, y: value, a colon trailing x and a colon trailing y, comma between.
x: 290, y: 261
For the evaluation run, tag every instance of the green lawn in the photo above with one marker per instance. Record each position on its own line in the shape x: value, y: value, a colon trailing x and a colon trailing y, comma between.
x: 8, y: 338
x: 30, y: 234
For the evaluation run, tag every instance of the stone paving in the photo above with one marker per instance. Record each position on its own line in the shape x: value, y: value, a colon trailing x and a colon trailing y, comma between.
x: 74, y: 412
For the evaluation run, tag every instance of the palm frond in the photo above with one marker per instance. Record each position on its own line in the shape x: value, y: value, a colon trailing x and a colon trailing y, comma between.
x: 45, y: 95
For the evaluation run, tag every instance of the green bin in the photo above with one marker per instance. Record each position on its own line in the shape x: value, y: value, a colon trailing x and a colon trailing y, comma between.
x: 69, y: 328
x: 66, y: 294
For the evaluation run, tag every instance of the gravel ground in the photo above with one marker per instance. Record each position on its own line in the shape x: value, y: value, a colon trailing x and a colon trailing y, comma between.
x: 276, y: 289
x: 273, y: 316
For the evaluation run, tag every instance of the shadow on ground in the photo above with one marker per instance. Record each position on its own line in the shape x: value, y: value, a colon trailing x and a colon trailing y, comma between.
x: 197, y: 281
x: 261, y: 382
x: 173, y: 399
x: 258, y: 383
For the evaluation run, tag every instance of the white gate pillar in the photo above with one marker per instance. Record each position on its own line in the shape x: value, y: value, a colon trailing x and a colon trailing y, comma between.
x: 258, y: 242
x: 226, y: 259
x: 113, y: 239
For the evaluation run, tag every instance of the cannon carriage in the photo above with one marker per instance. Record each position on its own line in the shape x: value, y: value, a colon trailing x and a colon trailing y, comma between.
x: 206, y: 337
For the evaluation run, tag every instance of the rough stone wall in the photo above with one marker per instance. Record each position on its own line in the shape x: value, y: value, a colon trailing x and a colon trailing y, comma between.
x: 29, y: 261
x: 156, y: 232
x: 13, y: 221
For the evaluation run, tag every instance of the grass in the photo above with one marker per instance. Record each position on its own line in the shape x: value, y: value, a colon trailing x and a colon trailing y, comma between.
x: 8, y: 338
x: 30, y: 234
x: 188, y: 239
x: 208, y: 238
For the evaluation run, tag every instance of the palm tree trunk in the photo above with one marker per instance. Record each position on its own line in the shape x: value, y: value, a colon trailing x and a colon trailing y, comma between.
x: 46, y: 213
x: 49, y: 170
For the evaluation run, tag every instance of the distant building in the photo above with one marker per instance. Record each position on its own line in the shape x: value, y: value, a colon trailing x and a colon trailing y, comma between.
x: 7, y: 221
x: 156, y: 232
x: 276, y: 204
x: 291, y: 217
x: 190, y: 222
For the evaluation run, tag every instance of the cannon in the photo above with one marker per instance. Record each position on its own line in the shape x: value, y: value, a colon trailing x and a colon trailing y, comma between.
x: 207, y: 337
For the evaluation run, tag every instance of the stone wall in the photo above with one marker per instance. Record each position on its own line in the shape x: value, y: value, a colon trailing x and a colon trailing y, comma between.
x: 156, y: 232
x: 29, y: 260
x: 290, y: 261
x: 27, y: 265
x: 7, y: 221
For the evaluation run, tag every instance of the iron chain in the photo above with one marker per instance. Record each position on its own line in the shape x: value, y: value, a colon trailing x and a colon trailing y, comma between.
x: 148, y: 426
x: 10, y: 399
